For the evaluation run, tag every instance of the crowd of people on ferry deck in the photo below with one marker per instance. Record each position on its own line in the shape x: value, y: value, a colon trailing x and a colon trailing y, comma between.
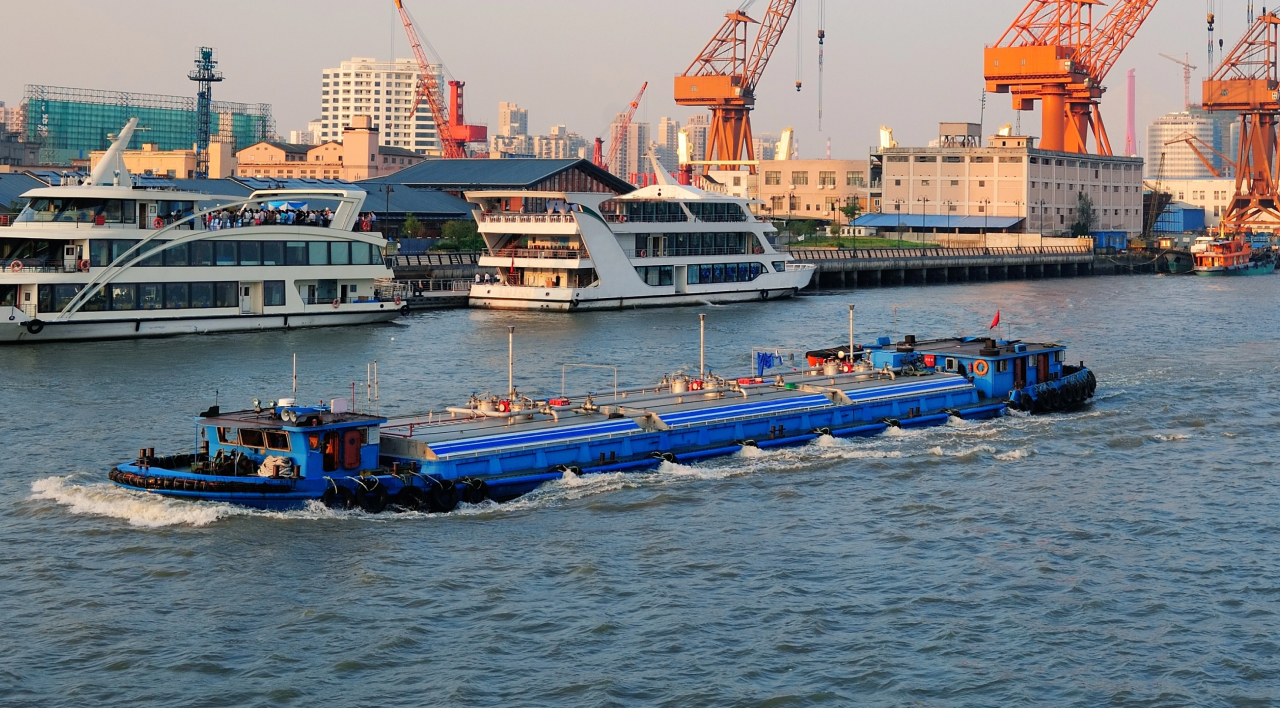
x: 232, y: 219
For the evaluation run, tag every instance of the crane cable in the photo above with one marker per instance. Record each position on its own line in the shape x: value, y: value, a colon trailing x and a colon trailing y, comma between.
x: 822, y: 35
x: 800, y: 47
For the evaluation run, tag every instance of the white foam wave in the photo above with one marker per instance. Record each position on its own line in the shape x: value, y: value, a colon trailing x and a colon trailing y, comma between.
x: 1013, y: 455
x: 138, y: 508
x: 962, y: 452
x: 1172, y: 437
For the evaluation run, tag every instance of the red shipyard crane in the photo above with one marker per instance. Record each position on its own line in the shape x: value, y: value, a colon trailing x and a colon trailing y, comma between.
x: 1054, y: 53
x: 618, y: 134
x: 1247, y: 82
x: 450, y: 126
x: 725, y: 75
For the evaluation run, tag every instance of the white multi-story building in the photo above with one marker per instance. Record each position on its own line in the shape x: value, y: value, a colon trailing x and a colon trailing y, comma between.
x: 384, y: 91
x: 1214, y: 195
x: 667, y: 141
x: 1180, y: 162
x: 513, y: 121
x: 633, y: 153
x: 1012, y: 178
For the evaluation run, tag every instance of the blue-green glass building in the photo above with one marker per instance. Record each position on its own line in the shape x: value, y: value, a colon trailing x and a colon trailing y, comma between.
x: 70, y: 123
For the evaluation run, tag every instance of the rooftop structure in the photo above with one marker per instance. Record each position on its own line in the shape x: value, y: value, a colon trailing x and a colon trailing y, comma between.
x: 458, y: 176
x: 69, y: 123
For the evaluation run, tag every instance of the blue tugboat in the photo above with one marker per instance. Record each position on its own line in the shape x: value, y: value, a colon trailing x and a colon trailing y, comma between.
x: 285, y: 455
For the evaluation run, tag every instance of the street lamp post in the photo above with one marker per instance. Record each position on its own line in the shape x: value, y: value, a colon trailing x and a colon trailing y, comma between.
x: 924, y: 214
x: 950, y: 206
x: 897, y: 206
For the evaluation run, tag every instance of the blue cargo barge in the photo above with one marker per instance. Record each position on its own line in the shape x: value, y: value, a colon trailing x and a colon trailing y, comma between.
x: 285, y: 455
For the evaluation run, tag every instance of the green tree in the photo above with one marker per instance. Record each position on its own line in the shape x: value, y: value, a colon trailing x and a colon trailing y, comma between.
x: 852, y: 210
x: 412, y: 227
x: 459, y: 236
x: 1085, y: 217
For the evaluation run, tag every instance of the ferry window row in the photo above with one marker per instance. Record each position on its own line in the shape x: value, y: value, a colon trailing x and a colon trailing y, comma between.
x: 86, y: 210
x: 103, y: 252
x: 655, y: 212
x: 117, y: 297
x: 710, y: 244
x: 725, y: 273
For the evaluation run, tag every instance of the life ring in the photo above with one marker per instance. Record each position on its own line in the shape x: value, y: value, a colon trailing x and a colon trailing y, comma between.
x: 980, y: 367
x: 644, y: 253
x: 83, y: 266
x: 15, y: 267
x: 397, y: 300
x: 35, y: 326
x: 504, y: 406
x: 157, y: 223
x: 336, y: 303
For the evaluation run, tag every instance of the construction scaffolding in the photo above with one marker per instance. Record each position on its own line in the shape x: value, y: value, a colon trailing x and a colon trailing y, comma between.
x: 69, y: 123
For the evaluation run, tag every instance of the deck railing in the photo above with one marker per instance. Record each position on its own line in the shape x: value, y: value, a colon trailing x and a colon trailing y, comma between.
x: 516, y: 218
x: 442, y: 258
x: 542, y: 253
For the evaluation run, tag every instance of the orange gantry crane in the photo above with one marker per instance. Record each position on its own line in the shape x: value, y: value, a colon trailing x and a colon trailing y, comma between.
x: 725, y: 75
x: 451, y: 128
x: 1246, y: 82
x: 1054, y: 53
x: 618, y: 134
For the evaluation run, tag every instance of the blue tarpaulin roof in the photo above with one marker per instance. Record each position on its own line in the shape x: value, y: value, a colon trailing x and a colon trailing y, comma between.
x: 930, y: 221
x: 12, y: 185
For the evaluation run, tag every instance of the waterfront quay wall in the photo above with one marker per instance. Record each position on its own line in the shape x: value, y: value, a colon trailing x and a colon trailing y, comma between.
x: 874, y: 267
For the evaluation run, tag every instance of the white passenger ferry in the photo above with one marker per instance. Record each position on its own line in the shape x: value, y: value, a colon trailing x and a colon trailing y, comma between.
x: 666, y: 244
x: 103, y: 259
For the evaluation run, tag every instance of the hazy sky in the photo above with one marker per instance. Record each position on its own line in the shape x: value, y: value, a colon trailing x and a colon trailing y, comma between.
x: 904, y: 63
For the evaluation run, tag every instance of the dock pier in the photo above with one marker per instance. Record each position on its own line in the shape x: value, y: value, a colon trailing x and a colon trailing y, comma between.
x: 876, y: 267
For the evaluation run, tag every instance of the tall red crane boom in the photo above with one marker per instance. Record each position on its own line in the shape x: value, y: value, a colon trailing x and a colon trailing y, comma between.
x: 620, y: 130
x: 724, y: 77
x: 454, y: 133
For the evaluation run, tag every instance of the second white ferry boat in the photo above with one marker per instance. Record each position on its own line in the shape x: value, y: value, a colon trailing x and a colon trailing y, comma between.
x: 103, y: 259
x: 666, y: 244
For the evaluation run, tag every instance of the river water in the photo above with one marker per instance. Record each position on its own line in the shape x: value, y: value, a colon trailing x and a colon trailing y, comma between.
x: 1122, y: 555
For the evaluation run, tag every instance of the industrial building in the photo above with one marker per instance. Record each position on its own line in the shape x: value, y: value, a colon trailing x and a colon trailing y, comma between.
x: 1211, y: 195
x: 383, y: 91
x: 71, y: 123
x: 1009, y: 178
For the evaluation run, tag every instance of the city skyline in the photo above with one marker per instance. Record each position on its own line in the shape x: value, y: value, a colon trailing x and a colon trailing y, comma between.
x: 872, y: 78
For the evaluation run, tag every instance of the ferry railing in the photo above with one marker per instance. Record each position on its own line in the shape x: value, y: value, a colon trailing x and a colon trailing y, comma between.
x: 668, y: 252
x: 519, y: 218
x: 418, y: 288
x: 650, y: 219
x: 542, y: 253
x: 348, y: 300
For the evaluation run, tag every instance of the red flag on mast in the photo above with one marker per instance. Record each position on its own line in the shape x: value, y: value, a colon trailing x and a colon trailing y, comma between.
x: 996, y: 322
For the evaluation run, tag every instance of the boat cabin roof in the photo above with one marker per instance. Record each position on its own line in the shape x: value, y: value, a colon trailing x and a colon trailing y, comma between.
x: 971, y: 347
x: 308, y: 418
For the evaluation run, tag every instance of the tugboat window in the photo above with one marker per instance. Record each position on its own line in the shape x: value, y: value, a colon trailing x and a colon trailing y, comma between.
x: 277, y: 440
x: 229, y: 436
x: 250, y: 437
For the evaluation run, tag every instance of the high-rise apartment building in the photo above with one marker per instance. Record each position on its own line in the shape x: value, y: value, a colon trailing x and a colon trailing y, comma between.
x: 667, y: 143
x: 1180, y: 162
x: 385, y: 92
x: 765, y: 146
x: 513, y: 121
x: 698, y: 128
x: 633, y: 153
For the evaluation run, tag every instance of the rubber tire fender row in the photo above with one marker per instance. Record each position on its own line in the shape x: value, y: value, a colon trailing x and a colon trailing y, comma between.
x: 473, y: 491
x: 410, y: 498
x: 373, y: 500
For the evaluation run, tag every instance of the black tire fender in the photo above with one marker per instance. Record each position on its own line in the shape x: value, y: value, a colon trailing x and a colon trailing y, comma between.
x: 35, y: 326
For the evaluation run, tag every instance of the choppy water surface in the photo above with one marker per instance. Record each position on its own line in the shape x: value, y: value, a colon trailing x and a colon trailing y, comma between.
x: 1123, y: 555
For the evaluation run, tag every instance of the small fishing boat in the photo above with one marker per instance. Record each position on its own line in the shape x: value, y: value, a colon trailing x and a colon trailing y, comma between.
x: 285, y: 454
x: 1234, y: 257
